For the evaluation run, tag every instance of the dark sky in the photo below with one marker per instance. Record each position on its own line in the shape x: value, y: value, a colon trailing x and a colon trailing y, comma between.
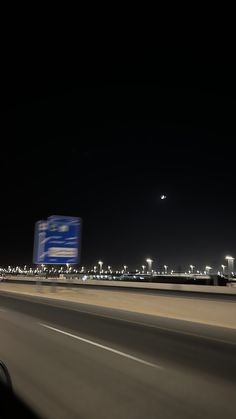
x: 106, y: 152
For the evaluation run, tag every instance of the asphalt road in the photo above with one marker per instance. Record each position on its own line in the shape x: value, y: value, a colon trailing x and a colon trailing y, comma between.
x: 70, y: 360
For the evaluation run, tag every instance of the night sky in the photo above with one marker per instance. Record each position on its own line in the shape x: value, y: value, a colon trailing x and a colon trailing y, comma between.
x: 106, y: 152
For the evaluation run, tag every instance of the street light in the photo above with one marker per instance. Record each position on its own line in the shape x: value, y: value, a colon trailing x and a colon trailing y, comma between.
x: 192, y: 268
x: 100, y: 265
x: 166, y: 268
x: 208, y: 268
x: 125, y: 268
x: 223, y: 269
x: 143, y: 268
x: 230, y: 260
x: 149, y: 262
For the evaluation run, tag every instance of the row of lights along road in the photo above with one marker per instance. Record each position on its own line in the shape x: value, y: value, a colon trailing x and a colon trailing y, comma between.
x: 147, y: 268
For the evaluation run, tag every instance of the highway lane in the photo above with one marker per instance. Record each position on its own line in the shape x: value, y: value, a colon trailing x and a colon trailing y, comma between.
x: 96, y: 362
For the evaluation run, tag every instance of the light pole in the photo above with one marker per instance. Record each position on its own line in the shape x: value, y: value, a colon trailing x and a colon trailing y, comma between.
x: 143, y: 268
x: 100, y: 265
x: 149, y: 262
x: 223, y: 269
x: 192, y: 268
x: 166, y: 269
x: 125, y: 268
x: 208, y: 268
x: 230, y: 260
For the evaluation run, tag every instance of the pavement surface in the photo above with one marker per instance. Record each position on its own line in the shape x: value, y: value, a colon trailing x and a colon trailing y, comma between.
x: 215, y: 309
x: 73, y: 360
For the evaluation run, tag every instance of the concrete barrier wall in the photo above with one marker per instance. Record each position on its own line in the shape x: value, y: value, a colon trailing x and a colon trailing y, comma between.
x: 230, y: 289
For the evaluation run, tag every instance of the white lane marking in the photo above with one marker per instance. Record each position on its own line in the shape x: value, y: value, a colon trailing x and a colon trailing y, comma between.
x: 153, y: 326
x: 167, y: 329
x: 107, y: 348
x: 133, y: 322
